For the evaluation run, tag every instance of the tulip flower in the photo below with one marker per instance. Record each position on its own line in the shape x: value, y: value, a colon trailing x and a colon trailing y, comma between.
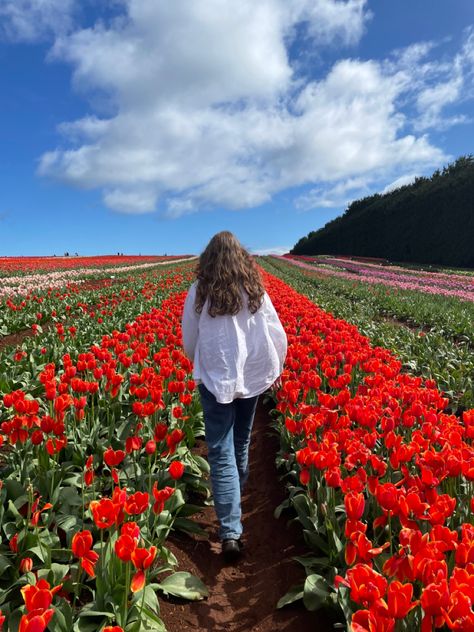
x: 104, y: 512
x: 141, y: 559
x: 399, y: 599
x: 176, y: 470
x: 36, y: 621
x: 354, y: 504
x: 39, y: 596
x: 82, y: 548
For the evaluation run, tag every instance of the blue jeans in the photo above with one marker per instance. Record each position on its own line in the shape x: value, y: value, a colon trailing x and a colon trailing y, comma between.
x: 228, y: 428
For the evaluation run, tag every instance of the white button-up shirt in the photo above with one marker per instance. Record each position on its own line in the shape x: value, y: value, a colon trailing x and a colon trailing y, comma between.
x: 234, y: 356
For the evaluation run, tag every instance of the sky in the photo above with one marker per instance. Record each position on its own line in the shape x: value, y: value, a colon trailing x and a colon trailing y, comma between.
x: 146, y: 126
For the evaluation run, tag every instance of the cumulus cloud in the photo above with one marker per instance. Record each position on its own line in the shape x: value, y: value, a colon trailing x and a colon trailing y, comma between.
x: 35, y: 20
x: 209, y: 109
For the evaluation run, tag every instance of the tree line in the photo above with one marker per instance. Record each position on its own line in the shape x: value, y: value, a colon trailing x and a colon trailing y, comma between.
x: 429, y: 221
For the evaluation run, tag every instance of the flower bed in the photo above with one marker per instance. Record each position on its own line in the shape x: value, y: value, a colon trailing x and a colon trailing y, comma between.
x: 94, y: 477
x: 97, y: 466
x: 458, y: 286
x: 380, y: 477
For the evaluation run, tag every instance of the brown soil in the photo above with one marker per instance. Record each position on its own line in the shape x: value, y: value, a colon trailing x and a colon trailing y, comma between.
x: 16, y: 339
x: 243, y: 596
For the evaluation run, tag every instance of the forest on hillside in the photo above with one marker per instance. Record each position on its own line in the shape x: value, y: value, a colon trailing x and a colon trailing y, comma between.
x: 429, y: 221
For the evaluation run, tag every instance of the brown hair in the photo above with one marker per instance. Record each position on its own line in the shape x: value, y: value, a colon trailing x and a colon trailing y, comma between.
x: 223, y: 270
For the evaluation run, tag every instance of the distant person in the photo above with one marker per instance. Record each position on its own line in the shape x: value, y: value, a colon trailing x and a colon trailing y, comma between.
x: 232, y: 333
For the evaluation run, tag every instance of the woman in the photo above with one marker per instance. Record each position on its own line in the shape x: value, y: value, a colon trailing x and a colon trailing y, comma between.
x: 232, y: 333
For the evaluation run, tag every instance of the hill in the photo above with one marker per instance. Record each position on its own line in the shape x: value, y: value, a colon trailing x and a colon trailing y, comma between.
x: 429, y: 221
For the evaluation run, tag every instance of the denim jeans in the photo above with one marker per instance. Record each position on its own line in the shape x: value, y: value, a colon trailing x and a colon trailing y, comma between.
x: 228, y: 428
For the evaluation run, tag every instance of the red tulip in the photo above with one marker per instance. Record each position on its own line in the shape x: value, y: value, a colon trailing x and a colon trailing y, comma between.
x: 39, y: 596
x: 124, y: 547
x: 104, y: 512
x: 136, y: 503
x: 26, y: 565
x: 36, y: 621
x: 176, y: 470
x: 399, y: 598
x: 355, y: 505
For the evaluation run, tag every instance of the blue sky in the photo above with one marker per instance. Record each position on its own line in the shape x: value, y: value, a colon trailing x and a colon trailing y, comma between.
x: 145, y: 126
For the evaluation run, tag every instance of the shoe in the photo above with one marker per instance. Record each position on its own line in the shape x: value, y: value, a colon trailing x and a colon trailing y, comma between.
x: 231, y: 549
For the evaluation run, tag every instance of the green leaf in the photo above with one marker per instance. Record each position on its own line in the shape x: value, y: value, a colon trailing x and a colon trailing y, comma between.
x: 4, y: 564
x: 96, y: 613
x: 70, y: 496
x: 316, y: 592
x: 294, y: 594
x: 176, y: 501
x: 202, y: 464
x: 311, y: 561
x: 184, y: 585
x: 58, y: 571
x: 150, y: 599
x: 63, y: 617
x: 189, y: 526
x: 284, y: 505
x: 38, y: 551
x: 343, y: 598
x: 14, y: 510
x: 155, y: 619
x: 67, y: 522
x: 14, y: 489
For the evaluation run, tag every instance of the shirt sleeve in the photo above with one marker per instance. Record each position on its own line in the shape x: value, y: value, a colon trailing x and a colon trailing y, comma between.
x: 190, y: 323
x: 276, y: 331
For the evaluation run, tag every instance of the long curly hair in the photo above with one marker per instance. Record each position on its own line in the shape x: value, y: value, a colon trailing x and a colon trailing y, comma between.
x: 224, y: 269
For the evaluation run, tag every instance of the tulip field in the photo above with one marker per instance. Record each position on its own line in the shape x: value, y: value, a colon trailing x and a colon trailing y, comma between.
x: 99, y: 415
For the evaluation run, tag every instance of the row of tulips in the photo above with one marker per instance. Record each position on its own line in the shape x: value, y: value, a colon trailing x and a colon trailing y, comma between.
x: 380, y: 476
x: 437, y: 341
x: 35, y: 265
x: 461, y: 286
x: 72, y: 297
x: 96, y: 467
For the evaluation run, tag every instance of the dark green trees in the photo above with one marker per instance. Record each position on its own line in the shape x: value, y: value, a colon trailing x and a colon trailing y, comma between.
x: 429, y: 221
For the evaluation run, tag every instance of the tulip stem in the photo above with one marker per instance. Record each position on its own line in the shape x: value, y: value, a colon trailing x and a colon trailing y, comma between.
x: 78, y: 584
x: 390, y: 530
x: 125, y: 601
x: 139, y: 622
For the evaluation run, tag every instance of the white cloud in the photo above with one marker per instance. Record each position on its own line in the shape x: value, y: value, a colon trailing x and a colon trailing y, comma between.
x: 400, y: 182
x: 34, y: 20
x: 210, y: 111
x: 132, y: 201
x: 435, y: 85
x: 332, y: 196
x: 275, y: 250
x: 343, y: 20
x: 432, y: 100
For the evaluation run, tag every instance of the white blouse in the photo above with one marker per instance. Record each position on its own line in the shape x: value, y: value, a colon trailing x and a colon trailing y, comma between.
x: 234, y: 356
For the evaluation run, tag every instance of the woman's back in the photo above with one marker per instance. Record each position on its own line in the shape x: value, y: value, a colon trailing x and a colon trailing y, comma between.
x: 234, y: 355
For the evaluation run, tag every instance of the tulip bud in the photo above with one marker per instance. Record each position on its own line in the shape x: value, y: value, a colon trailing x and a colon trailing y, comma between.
x: 150, y: 447
x: 26, y: 565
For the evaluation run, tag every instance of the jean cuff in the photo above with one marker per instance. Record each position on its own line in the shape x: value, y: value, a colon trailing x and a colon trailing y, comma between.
x: 230, y: 536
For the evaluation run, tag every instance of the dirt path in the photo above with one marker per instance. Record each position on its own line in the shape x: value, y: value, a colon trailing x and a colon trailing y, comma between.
x: 243, y: 597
